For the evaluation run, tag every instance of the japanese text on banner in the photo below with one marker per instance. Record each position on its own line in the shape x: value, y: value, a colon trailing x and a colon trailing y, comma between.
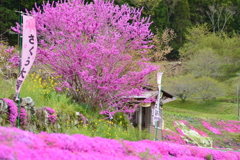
x: 29, y: 49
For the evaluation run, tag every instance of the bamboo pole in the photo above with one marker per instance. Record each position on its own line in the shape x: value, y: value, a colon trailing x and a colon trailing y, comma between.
x: 19, y: 68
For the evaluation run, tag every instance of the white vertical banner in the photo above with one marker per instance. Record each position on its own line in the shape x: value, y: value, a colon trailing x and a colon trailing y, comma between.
x: 29, y: 50
x: 156, y: 114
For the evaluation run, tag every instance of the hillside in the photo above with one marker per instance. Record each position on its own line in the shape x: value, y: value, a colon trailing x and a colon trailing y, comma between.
x: 194, y: 123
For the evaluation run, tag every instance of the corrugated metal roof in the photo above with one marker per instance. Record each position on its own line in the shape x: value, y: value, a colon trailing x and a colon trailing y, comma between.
x: 147, y: 94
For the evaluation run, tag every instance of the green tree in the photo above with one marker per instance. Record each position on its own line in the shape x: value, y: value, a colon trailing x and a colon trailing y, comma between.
x: 161, y: 45
x: 182, y: 86
x: 8, y: 17
x: 181, y: 19
x: 188, y: 86
x: 225, y: 50
x: 205, y: 63
x: 220, y: 16
x: 208, y: 88
x: 160, y: 18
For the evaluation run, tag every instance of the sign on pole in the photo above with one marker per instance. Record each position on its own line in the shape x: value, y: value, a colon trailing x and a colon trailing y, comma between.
x: 156, y: 116
x: 29, y: 50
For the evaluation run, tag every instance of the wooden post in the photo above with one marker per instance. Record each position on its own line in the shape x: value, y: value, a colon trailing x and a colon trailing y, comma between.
x: 238, y: 109
x: 140, y: 121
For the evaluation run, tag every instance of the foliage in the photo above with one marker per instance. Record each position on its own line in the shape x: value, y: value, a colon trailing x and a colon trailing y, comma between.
x: 8, y: 55
x: 42, y: 90
x: 209, y: 88
x: 121, y: 119
x: 203, y: 87
x: 7, y: 87
x: 10, y: 13
x: 182, y: 86
x: 161, y: 45
x: 39, y: 88
x: 181, y: 19
x: 88, y: 44
x: 148, y: 5
x: 223, y: 49
x: 205, y: 62
x: 109, y: 129
x: 220, y: 15
x: 8, y: 17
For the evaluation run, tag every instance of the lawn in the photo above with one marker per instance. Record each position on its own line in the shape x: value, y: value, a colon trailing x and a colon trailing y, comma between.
x: 193, y: 108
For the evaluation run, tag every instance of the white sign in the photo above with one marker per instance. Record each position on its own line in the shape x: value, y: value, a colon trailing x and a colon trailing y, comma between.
x: 156, y: 114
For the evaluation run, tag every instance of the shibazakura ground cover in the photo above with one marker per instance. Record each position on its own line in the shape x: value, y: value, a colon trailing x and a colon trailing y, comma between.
x: 19, y: 144
x: 212, y: 124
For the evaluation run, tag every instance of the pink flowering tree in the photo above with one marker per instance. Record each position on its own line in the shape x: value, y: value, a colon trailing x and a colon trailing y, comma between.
x: 93, y: 46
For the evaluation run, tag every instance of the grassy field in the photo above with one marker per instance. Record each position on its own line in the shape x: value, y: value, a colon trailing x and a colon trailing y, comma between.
x: 212, y: 109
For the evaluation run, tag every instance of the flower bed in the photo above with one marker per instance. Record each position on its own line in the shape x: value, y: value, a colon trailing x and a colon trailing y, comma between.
x: 19, y: 144
x: 204, y: 133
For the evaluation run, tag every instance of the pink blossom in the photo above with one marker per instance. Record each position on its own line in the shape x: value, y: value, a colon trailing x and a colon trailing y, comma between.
x: 51, y: 117
x: 89, y: 45
x: 13, y: 111
x: 65, y: 147
x: 208, y: 126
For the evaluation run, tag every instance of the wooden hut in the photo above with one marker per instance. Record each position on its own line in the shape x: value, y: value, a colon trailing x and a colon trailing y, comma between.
x: 143, y: 117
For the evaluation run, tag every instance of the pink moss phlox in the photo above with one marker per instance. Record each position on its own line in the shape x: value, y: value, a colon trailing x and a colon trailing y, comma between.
x: 184, y: 122
x: 50, y: 110
x: 173, y: 137
x: 208, y: 126
x: 51, y: 117
x: 180, y: 132
x: 23, y: 116
x: 230, y: 126
x: 13, y: 111
x: 202, y: 133
x: 66, y: 147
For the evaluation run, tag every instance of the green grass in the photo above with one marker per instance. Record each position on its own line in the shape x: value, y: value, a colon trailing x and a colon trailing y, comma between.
x: 213, y: 109
x: 44, y: 95
x: 108, y: 129
x: 7, y: 87
x: 41, y: 91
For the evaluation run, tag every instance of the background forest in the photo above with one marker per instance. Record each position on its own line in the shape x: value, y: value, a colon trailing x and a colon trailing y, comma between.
x: 219, y: 15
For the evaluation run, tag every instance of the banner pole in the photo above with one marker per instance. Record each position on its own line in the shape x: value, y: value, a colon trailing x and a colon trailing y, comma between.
x: 157, y: 122
x: 158, y: 104
x: 19, y: 70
